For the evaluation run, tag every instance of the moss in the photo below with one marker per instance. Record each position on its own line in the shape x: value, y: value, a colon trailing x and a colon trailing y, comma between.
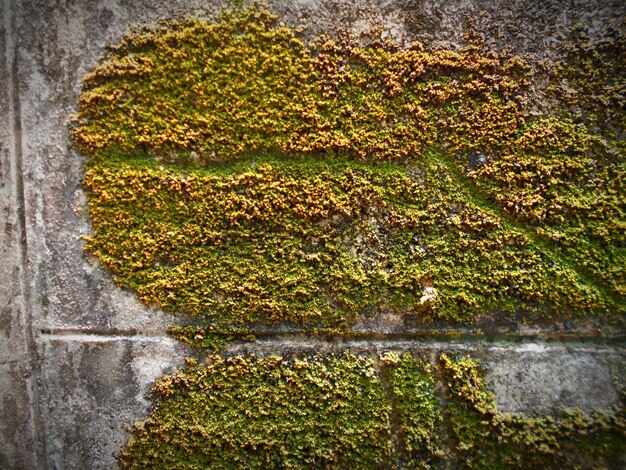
x: 316, y: 245
x: 417, y: 409
x: 347, y: 411
x: 484, y: 438
x: 266, y: 413
x: 238, y: 175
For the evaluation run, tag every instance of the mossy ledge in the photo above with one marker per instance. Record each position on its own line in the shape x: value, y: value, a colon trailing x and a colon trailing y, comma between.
x: 356, y: 411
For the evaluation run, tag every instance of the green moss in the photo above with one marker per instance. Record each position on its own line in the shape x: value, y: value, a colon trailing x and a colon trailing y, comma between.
x: 239, y: 175
x: 417, y: 409
x: 316, y: 245
x: 484, y: 438
x: 347, y: 411
x: 266, y: 413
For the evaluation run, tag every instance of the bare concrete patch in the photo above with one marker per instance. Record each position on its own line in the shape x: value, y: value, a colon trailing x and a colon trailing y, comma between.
x: 536, y: 378
x: 95, y: 387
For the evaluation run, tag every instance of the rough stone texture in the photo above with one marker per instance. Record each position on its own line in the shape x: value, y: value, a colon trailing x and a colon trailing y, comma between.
x: 94, y: 388
x: 535, y: 377
x: 18, y: 394
x: 78, y: 354
x: 528, y: 26
x: 71, y: 37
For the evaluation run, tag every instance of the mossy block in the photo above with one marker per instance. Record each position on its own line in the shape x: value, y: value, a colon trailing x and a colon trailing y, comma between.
x: 393, y: 410
x: 243, y: 412
x: 417, y: 411
x: 239, y: 175
x: 484, y: 438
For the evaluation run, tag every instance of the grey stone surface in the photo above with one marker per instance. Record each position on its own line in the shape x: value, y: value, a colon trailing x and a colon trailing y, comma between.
x: 78, y: 354
x: 60, y: 42
x: 535, y: 378
x: 528, y: 26
x: 94, y: 388
x: 19, y: 444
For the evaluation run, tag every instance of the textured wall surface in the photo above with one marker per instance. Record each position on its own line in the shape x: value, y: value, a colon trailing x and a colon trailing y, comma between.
x: 78, y: 354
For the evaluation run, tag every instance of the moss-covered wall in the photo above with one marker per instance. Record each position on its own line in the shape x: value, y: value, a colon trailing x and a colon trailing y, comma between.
x: 335, y: 200
x: 240, y: 176
x: 380, y: 410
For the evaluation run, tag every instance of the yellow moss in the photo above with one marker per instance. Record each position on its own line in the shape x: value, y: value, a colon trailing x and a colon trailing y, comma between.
x: 319, y: 182
x: 344, y: 411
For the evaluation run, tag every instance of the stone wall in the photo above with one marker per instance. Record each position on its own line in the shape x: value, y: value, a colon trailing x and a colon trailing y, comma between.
x: 78, y: 355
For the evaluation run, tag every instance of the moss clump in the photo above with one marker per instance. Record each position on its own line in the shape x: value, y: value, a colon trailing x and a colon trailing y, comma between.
x: 244, y: 84
x: 417, y: 410
x: 347, y: 411
x: 239, y: 175
x: 315, y: 245
x: 266, y: 413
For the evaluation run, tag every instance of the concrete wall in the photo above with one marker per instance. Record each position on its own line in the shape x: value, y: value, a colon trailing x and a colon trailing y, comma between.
x: 19, y: 404
x: 78, y: 354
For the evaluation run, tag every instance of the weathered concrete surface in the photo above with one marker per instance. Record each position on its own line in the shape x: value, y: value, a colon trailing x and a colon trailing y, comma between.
x: 69, y: 39
x: 528, y: 26
x: 533, y: 378
x: 19, y: 444
x: 69, y: 383
x: 93, y: 388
